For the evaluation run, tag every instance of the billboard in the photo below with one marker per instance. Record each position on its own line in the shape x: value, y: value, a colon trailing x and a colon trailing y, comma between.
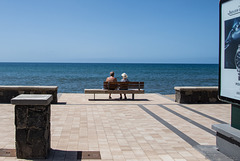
x: 229, y: 51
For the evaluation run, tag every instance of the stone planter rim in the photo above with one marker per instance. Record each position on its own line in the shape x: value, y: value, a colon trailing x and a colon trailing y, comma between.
x: 188, y: 88
x: 32, y: 99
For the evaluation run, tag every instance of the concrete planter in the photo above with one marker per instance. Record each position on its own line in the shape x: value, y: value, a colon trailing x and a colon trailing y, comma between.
x: 32, y: 122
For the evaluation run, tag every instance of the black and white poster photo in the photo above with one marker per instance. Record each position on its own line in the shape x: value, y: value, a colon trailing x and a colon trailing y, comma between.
x: 232, y: 43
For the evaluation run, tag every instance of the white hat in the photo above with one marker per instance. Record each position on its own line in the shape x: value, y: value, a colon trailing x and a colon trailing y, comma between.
x: 124, y: 75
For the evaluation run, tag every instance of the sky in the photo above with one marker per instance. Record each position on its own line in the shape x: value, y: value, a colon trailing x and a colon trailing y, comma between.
x: 109, y: 31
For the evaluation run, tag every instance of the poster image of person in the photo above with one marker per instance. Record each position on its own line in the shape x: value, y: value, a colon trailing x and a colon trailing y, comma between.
x: 232, y: 42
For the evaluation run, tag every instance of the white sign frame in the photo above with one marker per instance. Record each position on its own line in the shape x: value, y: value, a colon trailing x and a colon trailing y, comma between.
x: 229, y: 51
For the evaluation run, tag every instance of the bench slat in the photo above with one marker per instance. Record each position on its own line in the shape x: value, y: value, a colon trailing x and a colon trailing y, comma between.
x: 106, y: 91
x: 123, y: 85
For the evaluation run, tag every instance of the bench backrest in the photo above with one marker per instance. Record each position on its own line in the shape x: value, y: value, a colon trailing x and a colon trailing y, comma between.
x: 123, y: 85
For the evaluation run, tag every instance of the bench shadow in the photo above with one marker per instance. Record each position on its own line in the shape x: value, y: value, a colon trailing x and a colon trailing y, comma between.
x: 123, y: 100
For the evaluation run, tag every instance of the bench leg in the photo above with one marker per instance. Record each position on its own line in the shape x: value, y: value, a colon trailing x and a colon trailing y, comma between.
x: 133, y: 96
x: 94, y: 96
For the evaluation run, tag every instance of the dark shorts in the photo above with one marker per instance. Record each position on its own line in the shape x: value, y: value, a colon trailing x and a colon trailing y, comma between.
x: 110, y: 88
x: 123, y: 88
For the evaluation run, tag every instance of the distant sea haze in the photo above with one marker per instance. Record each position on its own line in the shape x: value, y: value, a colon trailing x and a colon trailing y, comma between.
x: 75, y: 77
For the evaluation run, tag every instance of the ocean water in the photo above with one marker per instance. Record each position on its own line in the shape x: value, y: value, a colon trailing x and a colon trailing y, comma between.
x: 75, y: 77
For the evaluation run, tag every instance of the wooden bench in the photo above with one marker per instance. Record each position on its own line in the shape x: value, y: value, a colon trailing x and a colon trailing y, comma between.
x: 8, y: 92
x: 118, y: 88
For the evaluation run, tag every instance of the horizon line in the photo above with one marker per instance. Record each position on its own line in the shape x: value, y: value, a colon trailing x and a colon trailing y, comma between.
x: 112, y: 63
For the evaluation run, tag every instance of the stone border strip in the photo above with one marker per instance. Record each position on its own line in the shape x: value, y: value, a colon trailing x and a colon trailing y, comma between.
x: 189, y: 140
x: 210, y: 153
x: 203, y: 114
x: 200, y: 113
x: 189, y: 120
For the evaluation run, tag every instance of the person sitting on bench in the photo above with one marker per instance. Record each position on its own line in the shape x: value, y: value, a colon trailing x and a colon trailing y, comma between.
x: 124, y: 79
x: 111, y: 79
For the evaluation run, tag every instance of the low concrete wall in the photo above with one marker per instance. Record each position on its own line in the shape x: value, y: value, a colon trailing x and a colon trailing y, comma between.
x: 194, y: 95
x: 9, y: 92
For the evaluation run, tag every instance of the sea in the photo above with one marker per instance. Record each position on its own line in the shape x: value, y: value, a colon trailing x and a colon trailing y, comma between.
x: 75, y: 77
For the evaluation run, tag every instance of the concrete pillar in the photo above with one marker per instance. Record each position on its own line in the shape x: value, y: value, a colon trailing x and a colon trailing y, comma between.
x: 32, y: 122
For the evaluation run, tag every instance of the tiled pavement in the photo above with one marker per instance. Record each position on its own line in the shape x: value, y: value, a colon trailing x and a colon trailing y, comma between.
x: 150, y: 128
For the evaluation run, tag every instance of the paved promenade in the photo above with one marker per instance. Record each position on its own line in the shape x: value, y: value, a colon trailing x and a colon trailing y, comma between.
x: 150, y: 128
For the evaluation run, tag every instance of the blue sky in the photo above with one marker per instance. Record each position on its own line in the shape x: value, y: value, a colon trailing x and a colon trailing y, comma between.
x: 109, y: 31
